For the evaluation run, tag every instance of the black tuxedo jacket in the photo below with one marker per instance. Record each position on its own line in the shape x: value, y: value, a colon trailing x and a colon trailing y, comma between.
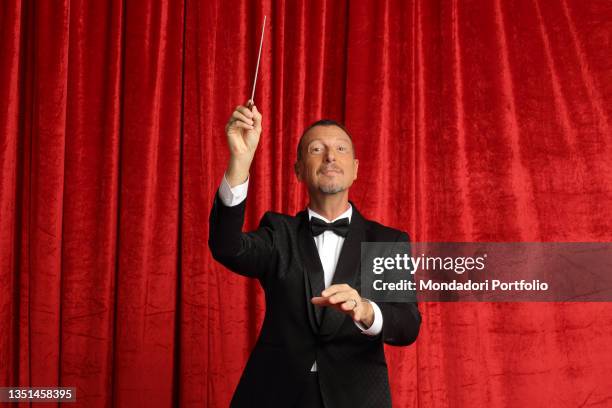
x: 283, y: 256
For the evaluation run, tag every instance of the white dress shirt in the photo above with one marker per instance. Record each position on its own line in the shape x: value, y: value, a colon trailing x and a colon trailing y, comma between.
x: 328, y: 245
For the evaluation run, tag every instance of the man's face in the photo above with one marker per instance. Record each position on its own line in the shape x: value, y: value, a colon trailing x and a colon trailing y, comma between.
x: 328, y: 163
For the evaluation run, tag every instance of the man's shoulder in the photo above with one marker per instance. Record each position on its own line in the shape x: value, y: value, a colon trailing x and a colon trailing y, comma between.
x: 273, y: 217
x: 380, y: 232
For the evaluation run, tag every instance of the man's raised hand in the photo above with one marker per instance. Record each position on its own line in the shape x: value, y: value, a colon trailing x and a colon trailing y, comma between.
x: 243, y: 130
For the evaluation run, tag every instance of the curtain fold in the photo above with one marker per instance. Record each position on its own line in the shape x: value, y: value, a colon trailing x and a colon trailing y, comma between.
x: 472, y: 120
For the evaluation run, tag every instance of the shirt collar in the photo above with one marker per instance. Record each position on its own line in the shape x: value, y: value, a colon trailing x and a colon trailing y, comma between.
x: 347, y: 214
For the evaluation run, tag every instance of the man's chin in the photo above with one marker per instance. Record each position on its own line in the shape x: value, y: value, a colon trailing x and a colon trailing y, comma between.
x: 331, y: 189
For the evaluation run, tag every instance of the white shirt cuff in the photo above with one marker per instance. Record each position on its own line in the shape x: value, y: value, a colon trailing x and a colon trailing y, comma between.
x: 231, y: 197
x: 376, y: 326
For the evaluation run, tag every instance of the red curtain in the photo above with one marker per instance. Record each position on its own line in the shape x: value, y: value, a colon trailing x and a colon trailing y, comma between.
x: 473, y: 121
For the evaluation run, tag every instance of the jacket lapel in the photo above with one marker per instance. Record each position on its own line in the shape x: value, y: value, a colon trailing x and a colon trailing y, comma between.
x: 347, y: 270
x: 314, y: 281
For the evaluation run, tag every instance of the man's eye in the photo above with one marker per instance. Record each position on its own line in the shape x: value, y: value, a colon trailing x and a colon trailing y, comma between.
x: 342, y: 148
x: 316, y: 150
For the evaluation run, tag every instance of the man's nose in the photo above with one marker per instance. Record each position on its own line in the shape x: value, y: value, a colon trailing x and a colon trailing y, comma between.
x: 329, y: 155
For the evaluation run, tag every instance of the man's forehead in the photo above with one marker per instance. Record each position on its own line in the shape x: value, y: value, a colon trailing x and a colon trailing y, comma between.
x: 331, y: 132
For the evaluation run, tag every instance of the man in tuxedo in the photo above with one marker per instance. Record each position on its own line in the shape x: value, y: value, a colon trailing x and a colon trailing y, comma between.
x: 321, y: 343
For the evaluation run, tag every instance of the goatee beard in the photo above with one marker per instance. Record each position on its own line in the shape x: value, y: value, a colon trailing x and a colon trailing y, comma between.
x: 331, y: 189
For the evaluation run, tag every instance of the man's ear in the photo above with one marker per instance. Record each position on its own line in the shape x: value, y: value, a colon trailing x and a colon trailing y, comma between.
x: 296, y: 169
x: 356, y: 168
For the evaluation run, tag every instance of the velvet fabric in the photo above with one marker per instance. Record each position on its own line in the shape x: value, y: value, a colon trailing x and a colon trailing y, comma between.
x: 473, y: 121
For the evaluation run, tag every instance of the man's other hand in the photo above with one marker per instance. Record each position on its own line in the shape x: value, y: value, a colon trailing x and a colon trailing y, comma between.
x: 347, y: 300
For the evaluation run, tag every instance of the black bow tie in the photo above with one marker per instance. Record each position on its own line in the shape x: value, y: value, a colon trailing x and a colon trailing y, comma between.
x: 339, y: 227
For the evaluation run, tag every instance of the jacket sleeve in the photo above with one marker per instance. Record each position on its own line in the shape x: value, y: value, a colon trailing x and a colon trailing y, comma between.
x: 249, y: 254
x: 401, y: 320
